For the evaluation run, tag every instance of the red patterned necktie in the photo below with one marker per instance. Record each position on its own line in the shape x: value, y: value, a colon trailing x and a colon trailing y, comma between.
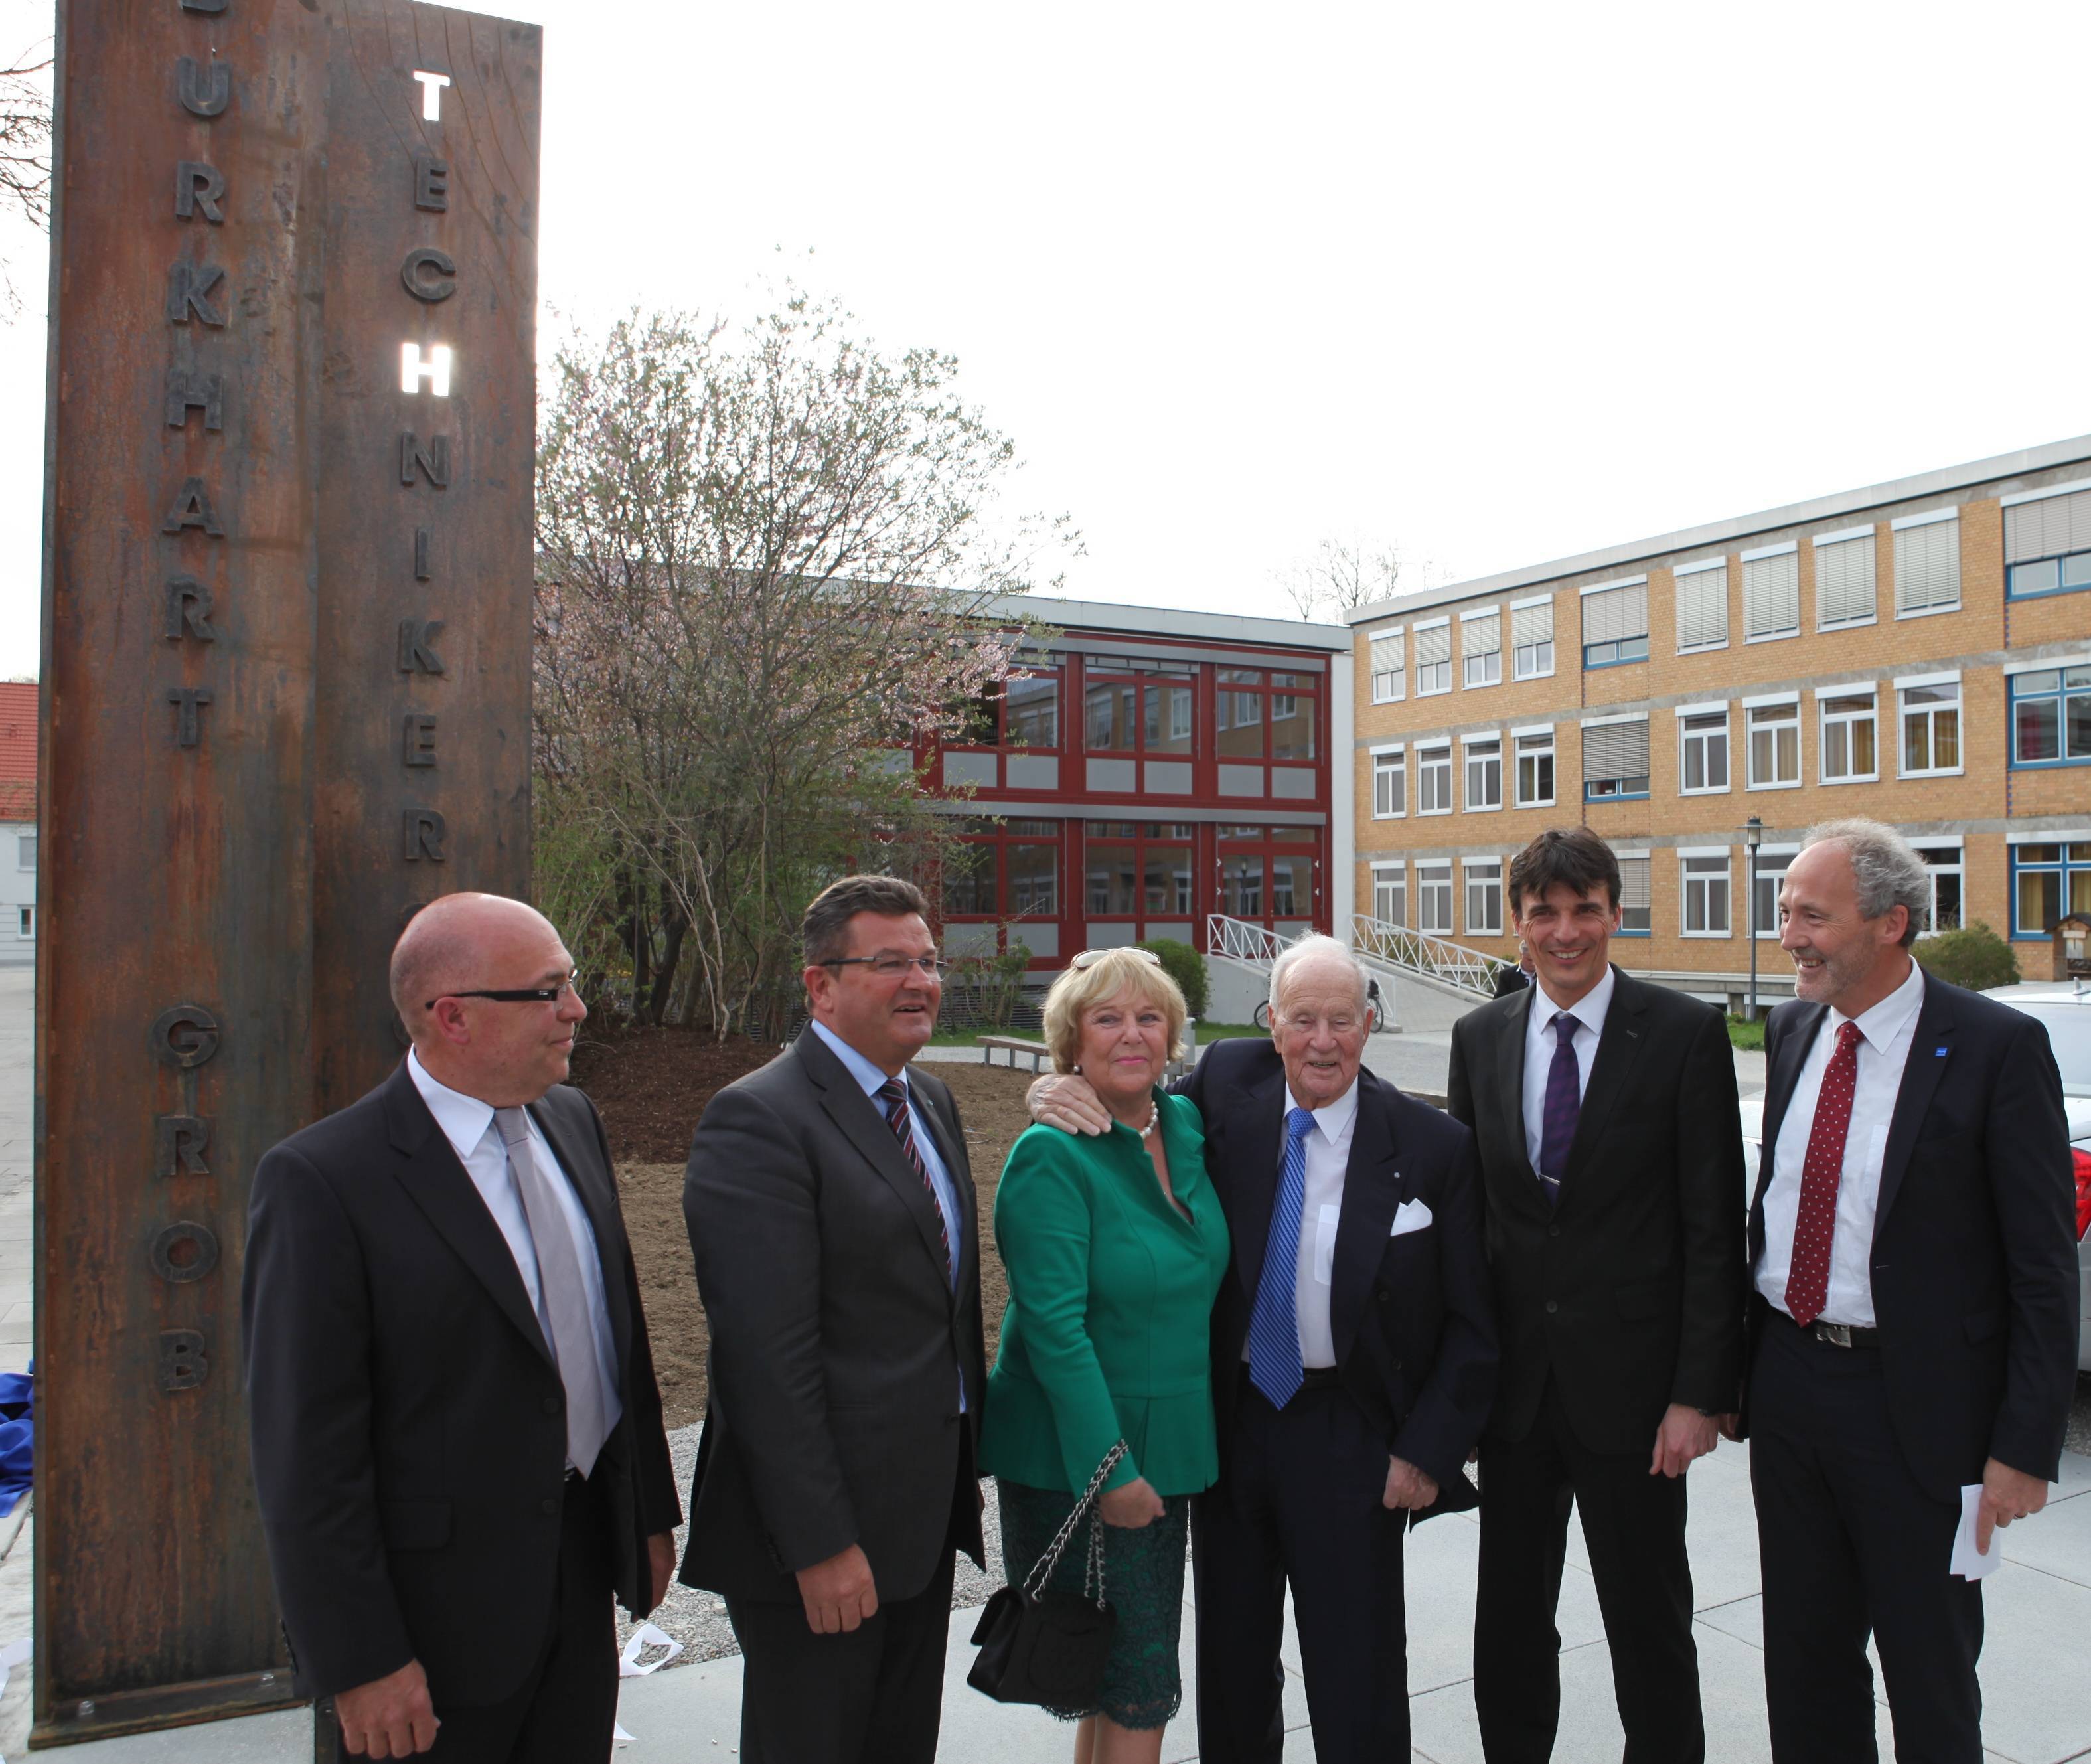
x: 894, y: 1094
x: 1815, y: 1225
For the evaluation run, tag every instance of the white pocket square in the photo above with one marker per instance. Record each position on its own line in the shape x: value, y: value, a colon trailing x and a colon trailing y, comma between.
x: 1410, y: 1216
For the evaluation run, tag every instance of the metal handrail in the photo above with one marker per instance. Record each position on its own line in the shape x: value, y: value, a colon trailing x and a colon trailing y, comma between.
x: 1240, y: 941
x: 1434, y: 957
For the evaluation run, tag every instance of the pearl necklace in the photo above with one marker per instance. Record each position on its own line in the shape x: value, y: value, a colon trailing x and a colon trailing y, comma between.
x: 1154, y: 1120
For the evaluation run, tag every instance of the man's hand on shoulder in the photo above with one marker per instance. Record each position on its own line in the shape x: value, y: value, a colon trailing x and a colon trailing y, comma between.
x: 1065, y: 1100
x: 2007, y: 1495
x: 1407, y: 1486
x: 1685, y: 1435
x: 390, y: 1717
x: 838, y: 1594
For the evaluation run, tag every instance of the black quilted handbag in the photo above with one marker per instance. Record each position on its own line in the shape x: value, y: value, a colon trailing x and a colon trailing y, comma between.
x: 1050, y: 1648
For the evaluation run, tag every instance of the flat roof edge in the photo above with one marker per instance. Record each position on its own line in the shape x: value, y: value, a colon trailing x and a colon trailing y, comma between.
x: 1172, y: 622
x: 1934, y: 483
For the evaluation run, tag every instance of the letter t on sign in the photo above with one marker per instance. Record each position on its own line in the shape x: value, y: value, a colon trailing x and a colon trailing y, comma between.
x: 432, y: 94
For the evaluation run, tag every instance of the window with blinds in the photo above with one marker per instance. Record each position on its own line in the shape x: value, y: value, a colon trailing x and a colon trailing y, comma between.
x: 1531, y: 640
x: 1615, y: 626
x: 1433, y: 658
x: 1771, y: 596
x: 1615, y: 759
x: 1634, y: 908
x: 1702, y: 608
x: 2047, y: 545
x: 1389, y: 662
x: 1927, y: 567
x: 1844, y: 583
x: 1482, y: 640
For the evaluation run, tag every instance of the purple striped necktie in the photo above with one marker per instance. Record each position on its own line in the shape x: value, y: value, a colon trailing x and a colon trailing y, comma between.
x: 1563, y: 1104
x: 894, y: 1094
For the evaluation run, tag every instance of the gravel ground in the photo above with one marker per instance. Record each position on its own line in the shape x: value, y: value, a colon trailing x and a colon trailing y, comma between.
x: 697, y: 1619
x: 2080, y: 1416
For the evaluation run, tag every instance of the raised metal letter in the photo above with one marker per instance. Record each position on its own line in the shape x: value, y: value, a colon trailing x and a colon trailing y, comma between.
x: 423, y: 830
x: 201, y: 1258
x: 184, y: 1037
x: 421, y: 553
x: 201, y: 97
x: 432, y: 182
x: 199, y: 185
x: 183, y: 1364
x: 434, y: 289
x: 189, y: 285
x: 417, y: 740
x: 188, y: 391
x: 434, y: 459
x: 417, y: 652
x: 188, y: 611
x: 189, y: 702
x: 180, y: 1141
x: 192, y: 509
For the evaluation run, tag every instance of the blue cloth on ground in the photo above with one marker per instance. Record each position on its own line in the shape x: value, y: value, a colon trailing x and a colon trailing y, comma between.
x: 17, y: 1436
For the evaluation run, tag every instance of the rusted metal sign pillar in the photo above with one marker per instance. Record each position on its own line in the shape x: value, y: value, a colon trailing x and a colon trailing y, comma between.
x: 286, y: 672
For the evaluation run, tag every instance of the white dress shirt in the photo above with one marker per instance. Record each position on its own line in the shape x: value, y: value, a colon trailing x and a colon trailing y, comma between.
x: 1887, y: 1030
x: 870, y: 1078
x: 1328, y: 1157
x: 1540, y: 1042
x: 467, y: 1124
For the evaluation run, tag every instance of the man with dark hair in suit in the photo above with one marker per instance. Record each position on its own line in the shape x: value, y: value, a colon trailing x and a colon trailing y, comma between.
x: 458, y: 1445
x: 831, y: 1213
x: 1913, y: 1325
x: 1604, y: 1109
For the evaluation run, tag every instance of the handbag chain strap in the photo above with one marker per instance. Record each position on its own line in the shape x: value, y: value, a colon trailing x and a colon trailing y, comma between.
x: 1093, y: 1574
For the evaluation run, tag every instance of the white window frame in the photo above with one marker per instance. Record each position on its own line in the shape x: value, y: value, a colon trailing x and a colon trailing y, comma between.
x: 1519, y: 753
x: 1825, y: 696
x: 1486, y: 873
x: 1491, y: 674
x: 1398, y: 753
x: 1647, y: 859
x: 1763, y: 555
x: 1519, y: 671
x: 1771, y: 701
x: 1394, y: 875
x: 1432, y: 875
x: 1906, y: 683
x: 1929, y: 518
x: 1416, y: 630
x: 1686, y: 738
x: 1428, y: 758
x: 1958, y: 867
x: 25, y: 851
x: 1699, y: 566
x: 25, y: 922
x: 1702, y: 885
x: 1390, y: 686
x: 1469, y: 760
x: 1823, y: 541
x: 1784, y: 855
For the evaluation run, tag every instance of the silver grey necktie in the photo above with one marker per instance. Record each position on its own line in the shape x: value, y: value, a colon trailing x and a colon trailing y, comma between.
x: 564, y: 1296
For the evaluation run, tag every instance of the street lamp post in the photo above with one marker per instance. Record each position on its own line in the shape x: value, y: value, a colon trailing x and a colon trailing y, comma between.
x: 1753, y: 837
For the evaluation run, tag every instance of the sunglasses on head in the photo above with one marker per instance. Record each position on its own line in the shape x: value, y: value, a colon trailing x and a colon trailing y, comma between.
x: 1090, y: 957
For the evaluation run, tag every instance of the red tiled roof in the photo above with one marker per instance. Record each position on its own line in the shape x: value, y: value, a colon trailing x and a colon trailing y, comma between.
x: 18, y: 750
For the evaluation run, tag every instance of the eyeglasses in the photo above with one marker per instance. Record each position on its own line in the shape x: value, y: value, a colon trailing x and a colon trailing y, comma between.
x: 519, y: 994
x: 891, y: 966
x: 1090, y: 957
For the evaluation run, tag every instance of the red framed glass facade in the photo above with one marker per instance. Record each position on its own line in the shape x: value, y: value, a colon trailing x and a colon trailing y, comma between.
x: 1146, y: 787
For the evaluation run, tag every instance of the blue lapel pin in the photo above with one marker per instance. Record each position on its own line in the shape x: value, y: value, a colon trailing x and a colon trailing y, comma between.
x: 1938, y: 1053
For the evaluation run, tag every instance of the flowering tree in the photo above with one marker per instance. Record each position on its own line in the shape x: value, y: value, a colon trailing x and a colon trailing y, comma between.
x: 769, y: 564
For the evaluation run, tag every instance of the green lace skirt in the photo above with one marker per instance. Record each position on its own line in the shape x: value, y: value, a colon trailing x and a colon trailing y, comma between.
x: 1143, y: 1579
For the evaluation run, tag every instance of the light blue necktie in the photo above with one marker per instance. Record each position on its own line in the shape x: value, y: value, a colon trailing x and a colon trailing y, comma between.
x: 1274, y: 1325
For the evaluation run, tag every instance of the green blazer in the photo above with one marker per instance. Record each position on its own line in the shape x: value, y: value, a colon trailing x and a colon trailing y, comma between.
x: 1107, y: 1335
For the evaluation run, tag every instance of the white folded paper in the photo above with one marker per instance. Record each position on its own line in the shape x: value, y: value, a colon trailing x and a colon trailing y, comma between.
x: 617, y: 1736
x: 1969, y: 1563
x: 1410, y: 1216
x: 645, y: 1637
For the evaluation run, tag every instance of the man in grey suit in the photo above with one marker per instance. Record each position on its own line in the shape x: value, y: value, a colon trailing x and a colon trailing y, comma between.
x: 831, y: 1214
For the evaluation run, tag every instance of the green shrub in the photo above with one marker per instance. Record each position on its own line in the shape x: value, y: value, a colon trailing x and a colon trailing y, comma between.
x: 1745, y: 1034
x: 1973, y: 956
x: 1185, y: 966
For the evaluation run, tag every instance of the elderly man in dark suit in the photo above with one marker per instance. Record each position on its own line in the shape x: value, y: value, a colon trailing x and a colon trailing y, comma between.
x: 831, y: 1211
x: 458, y: 1445
x: 1605, y: 1112
x: 1913, y: 1327
x: 1353, y: 1360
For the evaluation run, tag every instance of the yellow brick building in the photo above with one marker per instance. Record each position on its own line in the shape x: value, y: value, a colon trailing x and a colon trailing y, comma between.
x: 1919, y: 652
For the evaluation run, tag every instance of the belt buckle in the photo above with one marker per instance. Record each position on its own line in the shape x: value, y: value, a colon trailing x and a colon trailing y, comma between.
x: 1837, y: 1335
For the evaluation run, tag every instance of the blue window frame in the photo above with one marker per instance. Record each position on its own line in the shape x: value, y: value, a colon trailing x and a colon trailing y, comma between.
x: 2051, y: 717
x: 1611, y: 654
x: 2048, y: 880
x: 2064, y: 575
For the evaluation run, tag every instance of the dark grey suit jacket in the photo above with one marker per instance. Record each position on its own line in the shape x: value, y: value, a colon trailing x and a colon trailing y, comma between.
x: 1974, y: 1261
x: 409, y: 1424
x: 836, y: 1344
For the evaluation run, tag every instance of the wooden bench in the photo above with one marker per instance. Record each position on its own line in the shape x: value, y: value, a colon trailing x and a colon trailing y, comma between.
x: 1013, y: 1045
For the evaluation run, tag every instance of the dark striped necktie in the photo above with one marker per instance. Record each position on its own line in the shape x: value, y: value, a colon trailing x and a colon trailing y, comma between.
x: 894, y: 1094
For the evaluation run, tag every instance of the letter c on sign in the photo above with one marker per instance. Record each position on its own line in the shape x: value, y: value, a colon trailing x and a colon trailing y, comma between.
x: 185, y: 1036
x: 423, y: 285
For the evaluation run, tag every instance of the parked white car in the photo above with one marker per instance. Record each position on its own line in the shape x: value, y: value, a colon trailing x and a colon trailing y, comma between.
x: 2065, y: 1008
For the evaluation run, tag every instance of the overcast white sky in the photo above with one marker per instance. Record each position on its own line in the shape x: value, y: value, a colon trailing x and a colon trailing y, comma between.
x: 1493, y: 284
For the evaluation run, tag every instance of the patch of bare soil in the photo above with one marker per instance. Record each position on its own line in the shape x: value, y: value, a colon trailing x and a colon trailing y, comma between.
x: 651, y: 1085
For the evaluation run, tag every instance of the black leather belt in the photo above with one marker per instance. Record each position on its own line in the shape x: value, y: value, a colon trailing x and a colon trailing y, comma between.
x: 1835, y: 1335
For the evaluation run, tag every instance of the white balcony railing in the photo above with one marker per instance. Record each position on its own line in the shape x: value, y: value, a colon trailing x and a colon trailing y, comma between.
x: 1240, y: 941
x: 1418, y: 952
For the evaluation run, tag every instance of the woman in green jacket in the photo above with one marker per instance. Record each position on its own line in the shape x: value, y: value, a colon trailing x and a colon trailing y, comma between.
x: 1116, y: 1248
